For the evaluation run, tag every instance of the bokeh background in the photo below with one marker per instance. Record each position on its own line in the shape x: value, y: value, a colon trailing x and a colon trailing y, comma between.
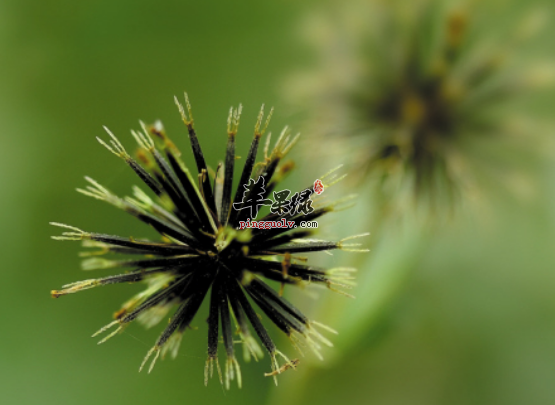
x: 468, y: 317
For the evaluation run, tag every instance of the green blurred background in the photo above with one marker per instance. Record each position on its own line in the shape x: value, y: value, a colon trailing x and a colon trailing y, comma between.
x: 472, y: 323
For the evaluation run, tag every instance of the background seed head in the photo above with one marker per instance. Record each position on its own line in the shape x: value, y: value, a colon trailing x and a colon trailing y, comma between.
x: 432, y: 103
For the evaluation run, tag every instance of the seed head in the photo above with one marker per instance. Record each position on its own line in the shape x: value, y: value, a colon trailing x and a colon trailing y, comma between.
x: 205, y: 249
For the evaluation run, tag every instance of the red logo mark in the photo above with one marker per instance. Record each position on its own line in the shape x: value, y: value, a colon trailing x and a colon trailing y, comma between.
x: 318, y: 187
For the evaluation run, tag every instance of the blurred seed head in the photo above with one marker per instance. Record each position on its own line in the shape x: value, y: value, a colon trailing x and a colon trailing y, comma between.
x: 429, y: 98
